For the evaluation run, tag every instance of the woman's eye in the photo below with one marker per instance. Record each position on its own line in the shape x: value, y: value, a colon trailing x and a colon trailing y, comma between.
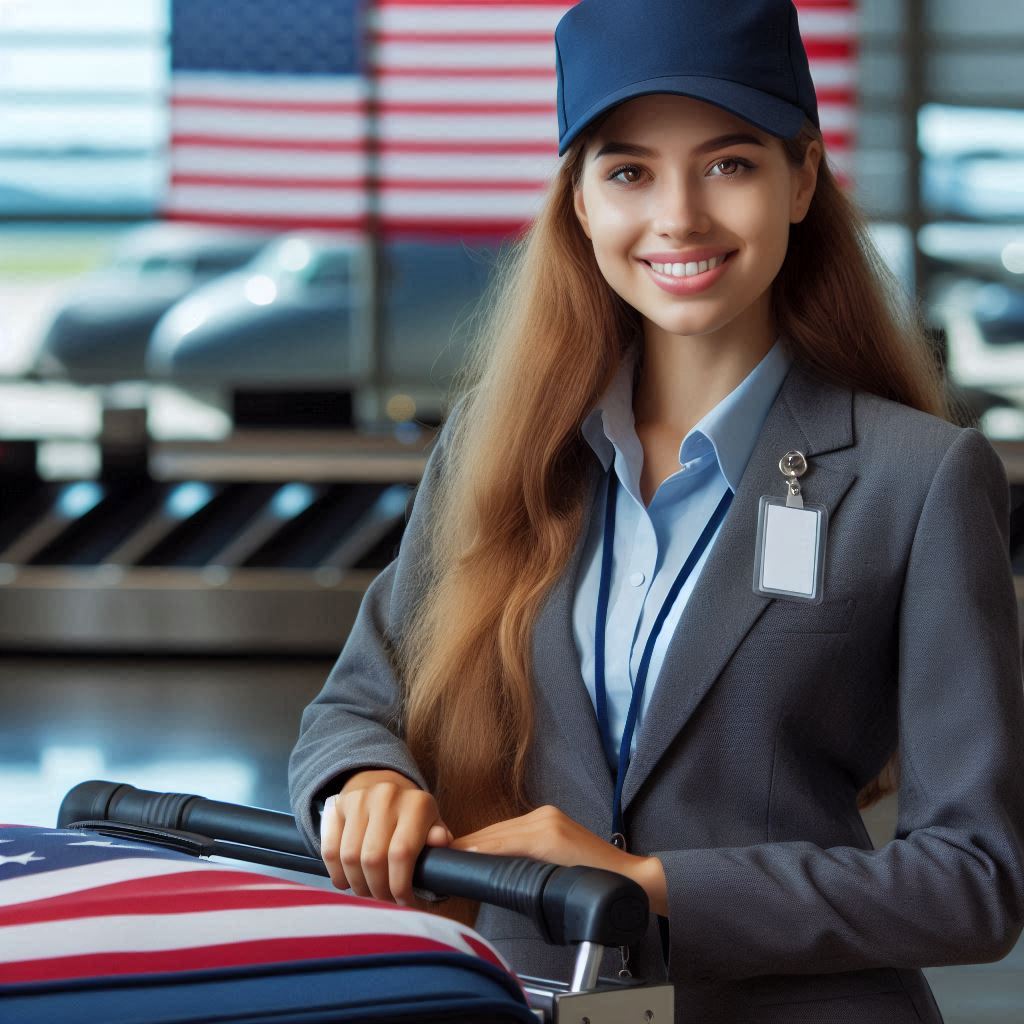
x: 621, y: 170
x: 733, y: 160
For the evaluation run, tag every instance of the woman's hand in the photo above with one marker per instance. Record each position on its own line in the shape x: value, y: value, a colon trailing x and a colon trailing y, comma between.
x: 372, y: 832
x: 548, y: 834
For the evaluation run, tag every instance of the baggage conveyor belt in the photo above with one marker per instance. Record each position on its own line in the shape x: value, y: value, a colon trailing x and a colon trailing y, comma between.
x: 257, y: 544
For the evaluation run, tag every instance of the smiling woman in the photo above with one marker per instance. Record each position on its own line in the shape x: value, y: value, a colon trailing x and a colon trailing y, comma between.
x: 571, y: 657
x: 682, y: 200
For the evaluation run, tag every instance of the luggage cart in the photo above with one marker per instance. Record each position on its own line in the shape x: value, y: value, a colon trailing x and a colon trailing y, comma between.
x: 588, y: 907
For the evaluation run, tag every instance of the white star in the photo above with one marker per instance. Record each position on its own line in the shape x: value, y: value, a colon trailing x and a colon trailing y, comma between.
x: 22, y: 858
x: 97, y: 842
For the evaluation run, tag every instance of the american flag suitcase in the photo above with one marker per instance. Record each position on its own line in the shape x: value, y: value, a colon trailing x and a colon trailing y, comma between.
x: 106, y: 930
x: 119, y: 921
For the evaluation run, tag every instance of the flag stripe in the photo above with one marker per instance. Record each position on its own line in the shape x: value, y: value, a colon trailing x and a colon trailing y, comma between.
x: 45, y: 885
x: 117, y: 931
x: 264, y: 951
x: 544, y: 73
x: 287, y: 127
x: 242, y: 86
x: 242, y: 161
x: 266, y: 142
x: 306, y: 202
x: 145, y: 898
x: 448, y: 228
x: 254, y: 103
x: 270, y: 222
x: 480, y: 17
x: 476, y: 166
x: 268, y: 181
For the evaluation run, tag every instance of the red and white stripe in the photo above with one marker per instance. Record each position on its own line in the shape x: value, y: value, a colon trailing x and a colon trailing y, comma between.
x: 269, y: 151
x: 138, y: 915
x: 468, y: 132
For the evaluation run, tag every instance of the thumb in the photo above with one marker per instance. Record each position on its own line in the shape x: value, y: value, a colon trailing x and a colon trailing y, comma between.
x: 439, y: 835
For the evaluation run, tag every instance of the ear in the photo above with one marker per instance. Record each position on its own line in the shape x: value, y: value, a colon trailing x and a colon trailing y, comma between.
x: 804, y: 182
x: 581, y: 210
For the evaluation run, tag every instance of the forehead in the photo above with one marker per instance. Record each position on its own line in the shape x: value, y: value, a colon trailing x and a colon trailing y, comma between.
x: 647, y: 118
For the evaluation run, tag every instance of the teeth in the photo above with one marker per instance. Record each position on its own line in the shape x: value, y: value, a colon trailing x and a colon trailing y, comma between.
x: 688, y: 269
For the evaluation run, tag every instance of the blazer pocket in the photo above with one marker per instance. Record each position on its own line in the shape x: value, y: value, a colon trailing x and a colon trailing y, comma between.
x: 833, y: 615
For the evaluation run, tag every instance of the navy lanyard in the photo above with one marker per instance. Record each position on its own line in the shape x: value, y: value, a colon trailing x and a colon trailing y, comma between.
x: 599, y: 634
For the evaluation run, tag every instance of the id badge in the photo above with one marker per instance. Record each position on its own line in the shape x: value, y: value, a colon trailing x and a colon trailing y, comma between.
x: 789, y: 557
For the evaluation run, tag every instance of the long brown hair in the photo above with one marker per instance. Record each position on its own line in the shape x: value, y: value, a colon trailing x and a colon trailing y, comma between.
x: 549, y: 338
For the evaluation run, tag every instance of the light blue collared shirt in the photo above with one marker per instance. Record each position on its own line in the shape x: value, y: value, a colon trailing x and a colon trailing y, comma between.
x: 652, y: 543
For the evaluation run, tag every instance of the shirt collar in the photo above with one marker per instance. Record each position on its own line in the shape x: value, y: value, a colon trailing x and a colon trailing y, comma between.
x: 732, y: 426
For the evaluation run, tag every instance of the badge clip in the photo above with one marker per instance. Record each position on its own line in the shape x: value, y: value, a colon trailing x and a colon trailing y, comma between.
x: 789, y: 558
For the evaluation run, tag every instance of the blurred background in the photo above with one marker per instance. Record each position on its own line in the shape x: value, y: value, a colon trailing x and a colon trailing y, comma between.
x: 241, y: 245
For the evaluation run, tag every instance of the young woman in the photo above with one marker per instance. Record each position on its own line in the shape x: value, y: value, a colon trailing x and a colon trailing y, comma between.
x: 584, y: 651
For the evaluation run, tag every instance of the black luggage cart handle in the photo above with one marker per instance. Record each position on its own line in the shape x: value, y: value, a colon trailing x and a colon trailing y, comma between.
x: 566, y: 904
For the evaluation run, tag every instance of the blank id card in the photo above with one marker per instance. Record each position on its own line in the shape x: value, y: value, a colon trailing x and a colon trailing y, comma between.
x: 790, y: 550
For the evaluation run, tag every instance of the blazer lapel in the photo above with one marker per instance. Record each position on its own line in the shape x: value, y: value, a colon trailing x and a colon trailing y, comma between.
x: 814, y: 417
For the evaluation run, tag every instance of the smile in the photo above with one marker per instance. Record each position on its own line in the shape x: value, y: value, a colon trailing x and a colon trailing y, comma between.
x: 687, y: 278
x: 688, y: 269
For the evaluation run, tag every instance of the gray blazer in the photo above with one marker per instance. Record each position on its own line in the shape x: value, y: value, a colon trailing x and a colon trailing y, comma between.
x: 767, y: 718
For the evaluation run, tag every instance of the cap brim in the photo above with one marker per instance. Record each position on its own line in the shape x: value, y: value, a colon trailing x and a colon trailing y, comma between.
x: 771, y: 114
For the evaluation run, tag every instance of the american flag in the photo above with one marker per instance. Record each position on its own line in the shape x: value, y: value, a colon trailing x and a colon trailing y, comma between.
x: 268, y: 113
x: 78, y: 904
x: 439, y: 118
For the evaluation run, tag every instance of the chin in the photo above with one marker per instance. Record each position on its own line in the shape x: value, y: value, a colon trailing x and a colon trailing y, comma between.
x: 689, y: 326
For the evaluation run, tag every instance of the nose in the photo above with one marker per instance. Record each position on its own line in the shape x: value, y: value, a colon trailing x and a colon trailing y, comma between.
x: 680, y: 210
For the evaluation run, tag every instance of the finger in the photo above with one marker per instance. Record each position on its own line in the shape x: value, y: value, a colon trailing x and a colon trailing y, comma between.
x: 439, y: 835
x: 330, y: 842
x: 406, y: 845
x: 353, y: 828
x: 373, y: 859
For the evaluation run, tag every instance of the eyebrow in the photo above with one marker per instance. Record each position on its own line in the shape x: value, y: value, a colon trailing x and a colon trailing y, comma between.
x: 630, y: 149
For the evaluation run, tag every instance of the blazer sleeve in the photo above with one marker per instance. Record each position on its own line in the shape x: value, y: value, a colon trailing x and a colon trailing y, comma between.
x: 352, y: 724
x: 949, y: 888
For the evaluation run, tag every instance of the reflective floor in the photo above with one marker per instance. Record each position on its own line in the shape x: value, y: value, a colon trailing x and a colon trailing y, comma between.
x: 223, y: 728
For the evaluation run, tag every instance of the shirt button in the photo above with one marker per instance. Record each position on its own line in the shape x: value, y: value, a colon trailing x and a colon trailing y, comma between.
x: 637, y: 578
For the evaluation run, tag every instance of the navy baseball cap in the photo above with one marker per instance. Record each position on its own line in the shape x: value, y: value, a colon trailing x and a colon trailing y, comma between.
x: 743, y: 55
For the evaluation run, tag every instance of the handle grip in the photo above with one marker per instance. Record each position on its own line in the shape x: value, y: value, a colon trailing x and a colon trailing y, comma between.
x: 566, y: 904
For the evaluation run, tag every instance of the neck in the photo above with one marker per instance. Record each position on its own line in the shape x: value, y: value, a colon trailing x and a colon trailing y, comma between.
x: 683, y: 378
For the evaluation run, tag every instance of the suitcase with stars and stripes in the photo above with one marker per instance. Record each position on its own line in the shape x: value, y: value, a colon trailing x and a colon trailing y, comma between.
x: 118, y: 915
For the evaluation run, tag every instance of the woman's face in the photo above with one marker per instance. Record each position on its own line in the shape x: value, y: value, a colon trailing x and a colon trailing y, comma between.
x: 660, y: 186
